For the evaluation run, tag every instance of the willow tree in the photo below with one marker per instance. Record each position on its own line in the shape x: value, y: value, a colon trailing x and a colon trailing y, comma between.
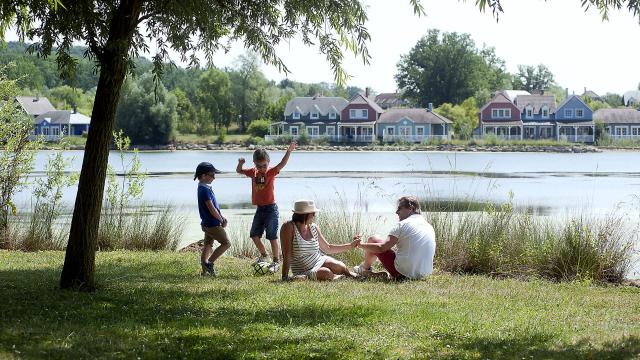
x: 118, y: 30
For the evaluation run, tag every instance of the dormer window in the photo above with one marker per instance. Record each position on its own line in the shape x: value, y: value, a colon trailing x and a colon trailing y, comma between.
x: 332, y: 115
x: 529, y: 112
x: 314, y: 115
x: 545, y: 112
x: 295, y: 116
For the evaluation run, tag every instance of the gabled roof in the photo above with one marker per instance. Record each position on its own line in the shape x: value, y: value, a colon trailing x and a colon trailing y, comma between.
x: 498, y: 98
x: 324, y: 105
x: 513, y: 94
x: 389, y: 100
x: 35, y: 106
x: 361, y: 99
x: 563, y: 103
x: 591, y: 94
x: 617, y: 116
x: 54, y: 117
x: 536, y: 102
x: 417, y: 115
x: 633, y: 94
x: 63, y: 117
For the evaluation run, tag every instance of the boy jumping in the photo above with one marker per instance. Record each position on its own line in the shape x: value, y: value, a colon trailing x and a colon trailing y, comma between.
x: 262, y: 195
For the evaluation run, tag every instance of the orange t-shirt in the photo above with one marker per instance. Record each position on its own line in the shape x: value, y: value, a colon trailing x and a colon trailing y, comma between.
x: 262, y: 192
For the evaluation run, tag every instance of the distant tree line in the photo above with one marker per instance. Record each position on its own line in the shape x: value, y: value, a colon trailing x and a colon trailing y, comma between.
x: 198, y: 101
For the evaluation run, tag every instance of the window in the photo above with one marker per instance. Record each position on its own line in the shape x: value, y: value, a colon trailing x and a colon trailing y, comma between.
x: 293, y: 130
x: 358, y: 113
x: 622, y: 131
x: 608, y: 128
x: 405, y: 130
x: 390, y: 130
x: 55, y: 131
x: 332, y: 115
x: 331, y: 131
x: 314, y: 115
x: 296, y: 116
x: 45, y: 130
x: 579, y: 113
x: 420, y: 130
x: 529, y: 112
x: 313, y: 130
x: 568, y: 113
x: 545, y: 112
x: 367, y: 131
x: 635, y: 130
x: 500, y: 113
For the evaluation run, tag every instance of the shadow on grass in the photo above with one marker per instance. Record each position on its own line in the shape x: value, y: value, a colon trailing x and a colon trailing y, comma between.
x: 534, y: 346
x: 128, y: 317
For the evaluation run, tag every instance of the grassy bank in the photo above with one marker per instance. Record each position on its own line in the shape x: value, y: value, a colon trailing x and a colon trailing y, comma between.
x: 154, y: 305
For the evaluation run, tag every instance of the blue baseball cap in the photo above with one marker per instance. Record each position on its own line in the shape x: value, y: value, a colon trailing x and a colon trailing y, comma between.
x: 205, y: 168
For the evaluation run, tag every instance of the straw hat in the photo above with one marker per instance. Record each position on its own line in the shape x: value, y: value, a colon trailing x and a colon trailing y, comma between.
x: 305, y: 207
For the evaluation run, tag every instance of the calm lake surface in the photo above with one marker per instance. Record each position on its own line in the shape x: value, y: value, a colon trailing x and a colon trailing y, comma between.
x: 549, y: 184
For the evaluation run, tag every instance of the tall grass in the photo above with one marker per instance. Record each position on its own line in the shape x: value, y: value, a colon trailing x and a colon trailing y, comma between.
x: 505, y: 242
x: 142, y: 228
x: 241, y: 244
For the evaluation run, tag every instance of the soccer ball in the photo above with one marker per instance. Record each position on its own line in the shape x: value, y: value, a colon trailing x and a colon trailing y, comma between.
x: 262, y: 268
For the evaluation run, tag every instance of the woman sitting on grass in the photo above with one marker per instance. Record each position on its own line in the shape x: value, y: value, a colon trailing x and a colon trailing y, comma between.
x: 301, y: 244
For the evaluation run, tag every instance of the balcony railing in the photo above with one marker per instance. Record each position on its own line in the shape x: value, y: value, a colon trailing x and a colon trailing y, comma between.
x: 330, y: 138
x: 499, y: 137
x: 625, y: 137
x: 577, y: 138
x: 414, y: 138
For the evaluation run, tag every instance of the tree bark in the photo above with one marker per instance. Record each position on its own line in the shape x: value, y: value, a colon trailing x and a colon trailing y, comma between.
x: 79, y: 262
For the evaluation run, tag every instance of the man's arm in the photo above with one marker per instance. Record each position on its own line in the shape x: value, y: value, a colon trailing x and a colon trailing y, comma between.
x: 377, y: 248
x: 285, y: 159
x: 239, y: 167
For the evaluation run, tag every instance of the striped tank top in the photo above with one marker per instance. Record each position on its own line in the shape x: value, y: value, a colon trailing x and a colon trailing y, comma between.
x: 305, y: 253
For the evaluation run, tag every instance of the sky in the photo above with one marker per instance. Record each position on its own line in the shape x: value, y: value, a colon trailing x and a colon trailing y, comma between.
x: 579, y: 48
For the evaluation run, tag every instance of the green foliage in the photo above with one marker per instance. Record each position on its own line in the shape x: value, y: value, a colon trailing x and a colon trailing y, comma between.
x: 259, y: 128
x: 120, y: 192
x: 16, y: 158
x: 448, y: 68
x: 214, y: 95
x: 222, y: 136
x: 186, y: 115
x: 146, y: 112
x: 531, y: 78
x: 47, y: 195
x: 464, y: 117
x: 284, y: 139
x: 303, y: 138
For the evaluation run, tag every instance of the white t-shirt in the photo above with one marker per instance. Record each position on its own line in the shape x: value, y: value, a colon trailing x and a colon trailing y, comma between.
x: 415, y: 248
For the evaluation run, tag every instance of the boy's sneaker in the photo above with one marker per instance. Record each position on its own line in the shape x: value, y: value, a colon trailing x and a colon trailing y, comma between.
x: 259, y: 259
x: 274, y: 266
x: 208, y: 269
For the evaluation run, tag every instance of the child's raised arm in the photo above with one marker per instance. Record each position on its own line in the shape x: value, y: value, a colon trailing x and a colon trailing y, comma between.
x: 285, y: 159
x: 239, y: 167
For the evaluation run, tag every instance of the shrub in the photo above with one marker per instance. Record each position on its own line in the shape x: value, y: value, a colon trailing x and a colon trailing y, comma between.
x: 222, y: 136
x: 259, y: 128
x: 253, y: 141
x: 303, y: 138
x: 321, y: 140
x: 285, y: 139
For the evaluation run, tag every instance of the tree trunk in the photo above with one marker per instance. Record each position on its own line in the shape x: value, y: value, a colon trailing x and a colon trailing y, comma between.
x: 79, y: 262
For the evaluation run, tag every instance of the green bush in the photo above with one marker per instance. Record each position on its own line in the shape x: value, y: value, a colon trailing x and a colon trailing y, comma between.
x: 259, y: 128
x: 285, y: 139
x: 255, y: 140
x: 303, y: 138
x: 222, y: 136
x: 321, y: 140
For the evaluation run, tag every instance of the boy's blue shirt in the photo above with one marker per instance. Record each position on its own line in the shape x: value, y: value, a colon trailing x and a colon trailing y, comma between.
x: 206, y: 193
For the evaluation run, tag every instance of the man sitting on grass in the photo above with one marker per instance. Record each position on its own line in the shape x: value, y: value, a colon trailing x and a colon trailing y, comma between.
x: 415, y: 243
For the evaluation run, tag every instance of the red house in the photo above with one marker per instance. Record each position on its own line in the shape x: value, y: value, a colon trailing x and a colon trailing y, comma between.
x: 358, y: 120
x: 501, y: 117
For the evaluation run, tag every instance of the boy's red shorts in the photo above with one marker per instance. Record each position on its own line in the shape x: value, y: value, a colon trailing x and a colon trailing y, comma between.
x: 387, y: 259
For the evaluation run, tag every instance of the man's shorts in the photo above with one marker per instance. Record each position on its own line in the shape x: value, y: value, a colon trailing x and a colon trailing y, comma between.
x: 215, y: 233
x: 266, y: 217
x: 387, y: 259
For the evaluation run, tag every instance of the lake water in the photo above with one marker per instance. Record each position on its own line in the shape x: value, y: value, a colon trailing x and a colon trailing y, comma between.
x: 550, y: 184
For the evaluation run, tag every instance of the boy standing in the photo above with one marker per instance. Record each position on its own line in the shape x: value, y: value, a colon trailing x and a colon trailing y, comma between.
x: 213, y: 223
x: 262, y: 195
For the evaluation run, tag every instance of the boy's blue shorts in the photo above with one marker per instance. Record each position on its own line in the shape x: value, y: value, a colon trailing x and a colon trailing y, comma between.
x: 266, y: 217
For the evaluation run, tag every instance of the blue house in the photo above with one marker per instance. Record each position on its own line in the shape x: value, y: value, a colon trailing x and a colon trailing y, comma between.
x: 574, y: 121
x: 317, y: 116
x: 536, y: 113
x: 412, y: 125
x: 50, y: 123
x: 621, y: 123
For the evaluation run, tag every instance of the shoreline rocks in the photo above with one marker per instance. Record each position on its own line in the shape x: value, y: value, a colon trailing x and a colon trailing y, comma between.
x: 312, y: 147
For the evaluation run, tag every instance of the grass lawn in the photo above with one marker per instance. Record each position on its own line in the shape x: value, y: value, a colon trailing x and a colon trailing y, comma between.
x: 154, y: 305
